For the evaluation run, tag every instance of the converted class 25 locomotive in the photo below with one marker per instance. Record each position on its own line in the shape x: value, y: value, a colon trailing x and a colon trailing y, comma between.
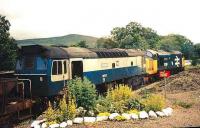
x: 48, y: 68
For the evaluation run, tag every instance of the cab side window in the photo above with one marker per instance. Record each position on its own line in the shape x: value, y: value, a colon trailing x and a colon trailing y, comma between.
x: 65, y: 67
x: 57, y: 68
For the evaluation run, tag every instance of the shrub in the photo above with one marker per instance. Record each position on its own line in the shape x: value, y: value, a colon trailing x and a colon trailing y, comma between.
x: 119, y: 98
x: 154, y: 102
x: 71, y: 111
x: 102, y: 105
x: 84, y: 91
x: 183, y: 104
x: 119, y: 107
x: 51, y: 115
x: 62, y: 110
x: 135, y: 104
x: 121, y: 92
x: 120, y: 118
x: 66, y: 110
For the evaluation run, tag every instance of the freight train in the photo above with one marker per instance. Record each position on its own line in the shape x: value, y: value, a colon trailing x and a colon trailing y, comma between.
x: 49, y: 68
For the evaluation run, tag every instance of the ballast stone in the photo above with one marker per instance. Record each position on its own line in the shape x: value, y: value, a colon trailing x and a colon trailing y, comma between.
x: 101, y: 118
x: 69, y: 122
x: 126, y: 116
x: 89, y: 119
x: 161, y: 114
x: 54, y: 126
x: 44, y: 125
x: 134, y: 116
x: 152, y: 114
x: 143, y: 115
x: 34, y: 123
x: 37, y: 122
x: 167, y: 111
x: 36, y: 126
x: 63, y: 124
x: 113, y: 115
x: 78, y: 120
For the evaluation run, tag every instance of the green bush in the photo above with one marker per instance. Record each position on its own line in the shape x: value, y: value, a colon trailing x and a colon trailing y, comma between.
x: 135, y: 104
x: 183, y: 104
x: 154, y: 102
x: 102, y: 105
x: 84, y: 91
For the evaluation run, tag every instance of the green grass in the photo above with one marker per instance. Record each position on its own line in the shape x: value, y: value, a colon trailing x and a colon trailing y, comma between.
x: 62, y: 40
x: 183, y: 104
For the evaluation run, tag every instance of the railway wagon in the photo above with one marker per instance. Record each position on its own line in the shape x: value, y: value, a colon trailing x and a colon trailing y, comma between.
x: 48, y: 68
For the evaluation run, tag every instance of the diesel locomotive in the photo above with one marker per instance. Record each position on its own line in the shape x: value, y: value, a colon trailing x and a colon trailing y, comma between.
x: 48, y: 68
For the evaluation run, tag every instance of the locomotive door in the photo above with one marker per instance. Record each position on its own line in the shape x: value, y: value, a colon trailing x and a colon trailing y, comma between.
x: 77, y: 69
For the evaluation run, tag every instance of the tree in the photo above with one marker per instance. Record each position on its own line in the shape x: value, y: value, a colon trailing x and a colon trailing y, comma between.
x: 134, y: 35
x: 197, y: 50
x: 106, y: 43
x: 82, y: 44
x: 177, y: 42
x: 8, y: 47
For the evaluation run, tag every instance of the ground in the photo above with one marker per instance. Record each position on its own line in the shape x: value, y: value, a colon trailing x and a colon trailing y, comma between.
x: 183, y: 87
x: 182, y: 117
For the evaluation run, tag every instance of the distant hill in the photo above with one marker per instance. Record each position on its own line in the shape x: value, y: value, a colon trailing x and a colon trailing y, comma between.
x: 62, y: 40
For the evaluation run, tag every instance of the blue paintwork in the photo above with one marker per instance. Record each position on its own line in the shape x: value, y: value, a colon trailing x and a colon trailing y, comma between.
x: 49, y: 88
x: 169, y: 61
x: 112, y: 74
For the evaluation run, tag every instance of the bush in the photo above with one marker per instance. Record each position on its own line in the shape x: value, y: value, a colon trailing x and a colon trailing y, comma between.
x: 84, y: 91
x: 116, y: 100
x: 102, y: 105
x: 71, y: 111
x: 135, y: 104
x: 66, y: 110
x: 154, y: 102
x: 183, y: 104
x: 62, y: 110
x: 121, y: 92
x: 51, y: 115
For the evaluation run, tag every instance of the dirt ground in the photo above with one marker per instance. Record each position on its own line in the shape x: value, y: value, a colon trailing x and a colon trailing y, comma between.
x: 184, y: 87
x: 182, y: 117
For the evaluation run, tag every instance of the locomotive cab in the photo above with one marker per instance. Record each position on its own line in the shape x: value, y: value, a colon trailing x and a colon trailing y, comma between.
x: 45, y: 68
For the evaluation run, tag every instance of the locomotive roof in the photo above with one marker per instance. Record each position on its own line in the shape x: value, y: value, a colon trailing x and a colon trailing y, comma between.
x: 76, y: 52
x: 161, y: 52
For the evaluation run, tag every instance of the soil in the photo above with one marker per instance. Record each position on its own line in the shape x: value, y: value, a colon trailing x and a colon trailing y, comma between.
x: 184, y: 87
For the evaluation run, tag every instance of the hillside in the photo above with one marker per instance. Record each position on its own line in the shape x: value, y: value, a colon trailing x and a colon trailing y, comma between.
x: 62, y: 40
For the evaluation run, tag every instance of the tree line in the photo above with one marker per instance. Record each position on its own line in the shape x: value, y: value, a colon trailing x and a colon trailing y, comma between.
x: 136, y: 36
x: 133, y: 35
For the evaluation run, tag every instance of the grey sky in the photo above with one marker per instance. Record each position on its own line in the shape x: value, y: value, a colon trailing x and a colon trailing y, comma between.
x: 47, y: 18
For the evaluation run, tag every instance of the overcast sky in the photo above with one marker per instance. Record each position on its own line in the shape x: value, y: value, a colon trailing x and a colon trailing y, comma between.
x: 48, y: 18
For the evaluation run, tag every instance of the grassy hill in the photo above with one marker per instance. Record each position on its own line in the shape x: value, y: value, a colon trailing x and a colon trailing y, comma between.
x: 62, y: 40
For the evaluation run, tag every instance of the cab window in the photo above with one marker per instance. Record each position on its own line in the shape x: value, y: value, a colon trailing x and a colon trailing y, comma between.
x: 57, y: 68
x: 65, y: 67
x: 29, y: 62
